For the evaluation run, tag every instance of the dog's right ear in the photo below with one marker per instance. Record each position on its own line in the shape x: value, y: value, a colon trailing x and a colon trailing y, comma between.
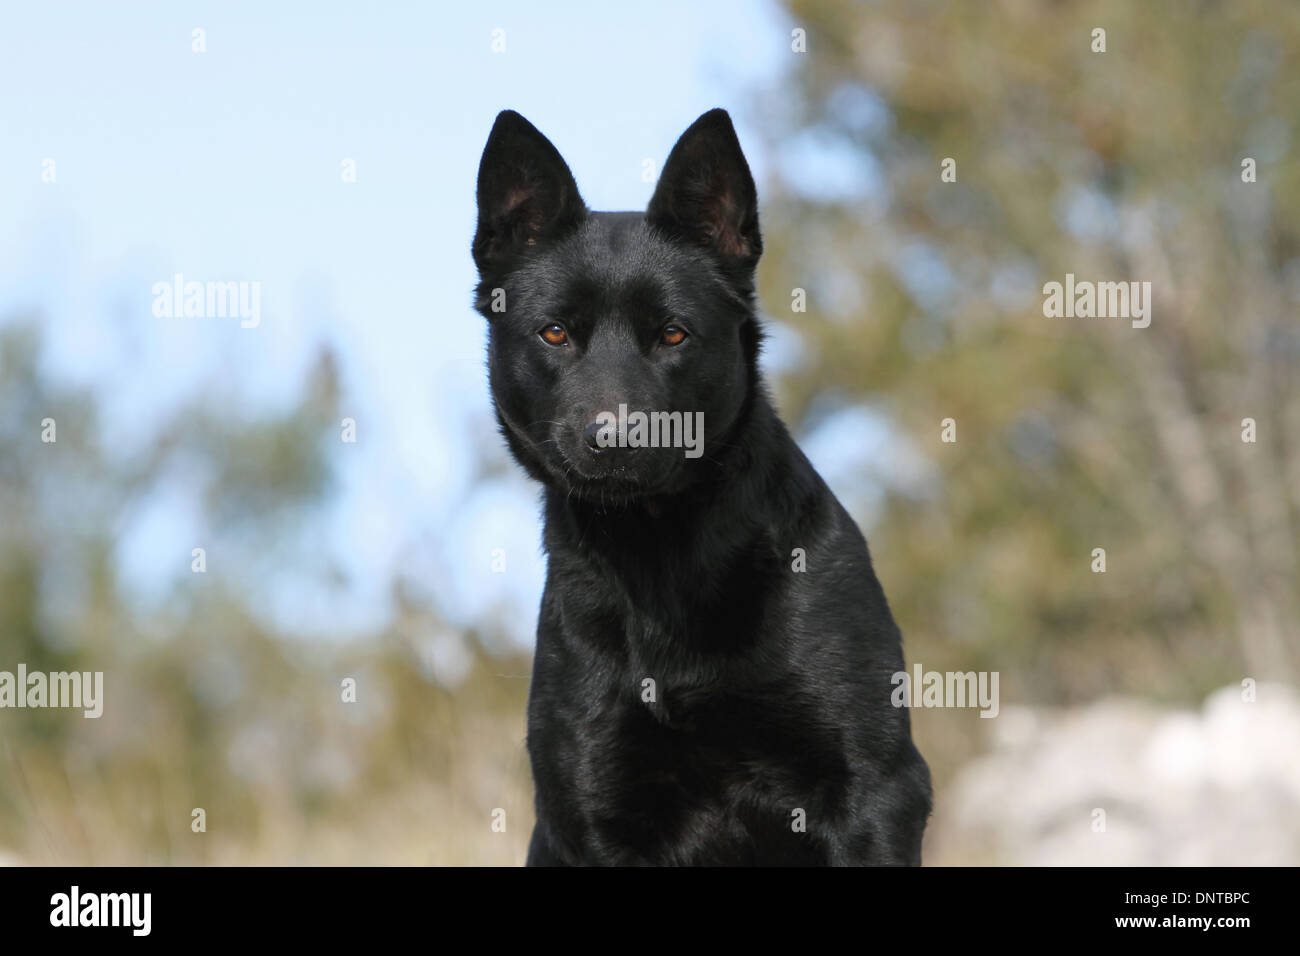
x: 526, y: 195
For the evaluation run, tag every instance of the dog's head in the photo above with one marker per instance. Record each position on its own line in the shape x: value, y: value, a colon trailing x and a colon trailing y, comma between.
x: 596, y: 317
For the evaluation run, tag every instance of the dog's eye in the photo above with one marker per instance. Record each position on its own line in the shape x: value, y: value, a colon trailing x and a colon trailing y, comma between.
x: 554, y: 335
x: 672, y: 335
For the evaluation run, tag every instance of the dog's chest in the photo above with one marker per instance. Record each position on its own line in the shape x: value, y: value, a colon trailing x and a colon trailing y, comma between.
x: 664, y: 770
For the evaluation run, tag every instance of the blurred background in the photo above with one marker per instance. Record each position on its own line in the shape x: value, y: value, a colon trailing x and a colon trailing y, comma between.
x: 328, y: 152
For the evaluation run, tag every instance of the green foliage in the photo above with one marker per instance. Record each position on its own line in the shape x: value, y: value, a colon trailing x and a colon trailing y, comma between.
x: 1072, y: 433
x: 207, y: 706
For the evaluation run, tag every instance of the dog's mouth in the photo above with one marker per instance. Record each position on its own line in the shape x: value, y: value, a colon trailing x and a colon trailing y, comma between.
x: 614, y: 477
x: 610, y: 483
x: 616, y: 482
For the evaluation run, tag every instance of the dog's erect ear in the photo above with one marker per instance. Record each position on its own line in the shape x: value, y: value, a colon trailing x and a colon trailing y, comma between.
x: 526, y: 194
x: 706, y: 194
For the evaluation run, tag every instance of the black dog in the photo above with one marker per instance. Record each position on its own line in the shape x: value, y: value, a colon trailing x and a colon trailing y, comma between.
x: 712, y: 678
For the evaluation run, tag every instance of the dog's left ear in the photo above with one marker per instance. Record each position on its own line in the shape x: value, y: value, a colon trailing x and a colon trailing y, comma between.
x: 706, y: 195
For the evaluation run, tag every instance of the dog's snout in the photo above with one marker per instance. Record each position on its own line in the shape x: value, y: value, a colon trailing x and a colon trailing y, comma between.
x: 591, y: 435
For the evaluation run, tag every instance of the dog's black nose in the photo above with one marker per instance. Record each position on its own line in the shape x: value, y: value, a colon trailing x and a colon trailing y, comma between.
x: 590, y: 434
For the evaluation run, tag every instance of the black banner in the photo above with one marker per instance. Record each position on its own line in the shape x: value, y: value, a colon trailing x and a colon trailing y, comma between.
x: 221, y: 905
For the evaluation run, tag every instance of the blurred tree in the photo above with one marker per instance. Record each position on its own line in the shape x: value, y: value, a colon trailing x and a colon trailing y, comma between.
x: 926, y: 302
x: 205, y: 704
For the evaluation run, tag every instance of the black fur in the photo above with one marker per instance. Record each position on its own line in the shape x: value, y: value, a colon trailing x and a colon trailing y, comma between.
x: 771, y: 686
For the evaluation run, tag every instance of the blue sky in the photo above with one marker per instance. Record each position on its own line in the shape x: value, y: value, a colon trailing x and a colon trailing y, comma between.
x: 226, y: 165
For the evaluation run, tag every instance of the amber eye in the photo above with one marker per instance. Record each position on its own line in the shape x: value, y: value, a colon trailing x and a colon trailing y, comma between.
x: 672, y: 335
x: 554, y: 335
